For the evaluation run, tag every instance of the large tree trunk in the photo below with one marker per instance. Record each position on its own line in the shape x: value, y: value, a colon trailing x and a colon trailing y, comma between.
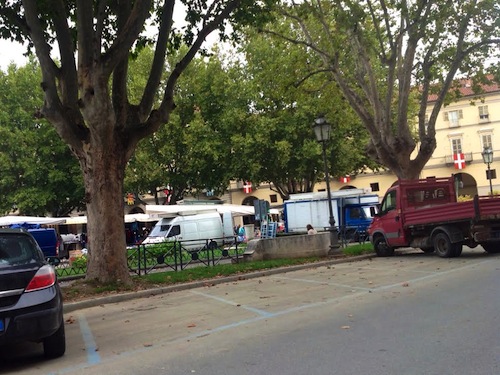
x: 104, y: 167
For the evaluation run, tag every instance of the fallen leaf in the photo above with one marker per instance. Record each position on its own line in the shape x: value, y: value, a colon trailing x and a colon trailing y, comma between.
x: 345, y: 327
x: 191, y: 325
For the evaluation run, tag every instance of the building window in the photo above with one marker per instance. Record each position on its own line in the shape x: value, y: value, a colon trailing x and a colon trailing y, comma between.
x: 273, y: 198
x: 483, y: 113
x: 453, y: 117
x: 486, y: 141
x: 456, y: 146
x: 374, y: 186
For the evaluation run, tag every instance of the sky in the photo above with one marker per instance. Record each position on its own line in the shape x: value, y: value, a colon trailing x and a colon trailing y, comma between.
x: 11, y: 52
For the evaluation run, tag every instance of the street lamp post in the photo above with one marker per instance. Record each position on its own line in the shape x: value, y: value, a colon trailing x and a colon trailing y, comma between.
x: 322, y: 131
x: 487, y: 155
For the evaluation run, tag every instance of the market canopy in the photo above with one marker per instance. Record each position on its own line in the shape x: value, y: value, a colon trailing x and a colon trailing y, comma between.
x: 192, y: 209
x: 11, y: 220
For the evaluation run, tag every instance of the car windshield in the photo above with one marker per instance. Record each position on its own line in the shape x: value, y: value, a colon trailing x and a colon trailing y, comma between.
x: 18, y: 249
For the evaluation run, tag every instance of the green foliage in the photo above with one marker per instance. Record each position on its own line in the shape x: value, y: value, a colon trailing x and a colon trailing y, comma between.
x: 279, y: 146
x: 191, y: 154
x: 40, y: 176
x: 358, y: 249
x: 79, y: 262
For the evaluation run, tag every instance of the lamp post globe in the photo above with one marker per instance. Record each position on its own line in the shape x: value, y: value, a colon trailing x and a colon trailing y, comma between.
x: 487, y: 155
x: 322, y: 131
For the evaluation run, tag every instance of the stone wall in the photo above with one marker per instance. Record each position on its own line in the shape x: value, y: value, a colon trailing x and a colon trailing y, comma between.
x: 299, y: 246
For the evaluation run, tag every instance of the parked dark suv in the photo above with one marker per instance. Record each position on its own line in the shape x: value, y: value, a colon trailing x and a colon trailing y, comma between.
x: 31, y: 306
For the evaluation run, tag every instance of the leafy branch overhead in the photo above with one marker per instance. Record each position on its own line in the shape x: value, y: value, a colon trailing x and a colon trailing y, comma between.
x: 388, y: 57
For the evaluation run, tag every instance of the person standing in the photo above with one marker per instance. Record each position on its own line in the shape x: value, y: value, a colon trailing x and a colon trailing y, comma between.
x: 311, y: 230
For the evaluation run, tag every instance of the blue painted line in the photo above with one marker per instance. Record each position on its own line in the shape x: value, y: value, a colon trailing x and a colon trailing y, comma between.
x: 93, y: 356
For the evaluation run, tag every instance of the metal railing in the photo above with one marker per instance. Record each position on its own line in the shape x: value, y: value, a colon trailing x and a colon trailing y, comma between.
x: 167, y: 256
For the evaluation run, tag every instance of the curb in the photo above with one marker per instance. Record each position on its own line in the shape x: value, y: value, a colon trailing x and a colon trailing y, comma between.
x: 115, y: 298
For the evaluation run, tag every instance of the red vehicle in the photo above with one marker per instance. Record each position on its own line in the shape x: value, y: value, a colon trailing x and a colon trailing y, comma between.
x: 425, y: 214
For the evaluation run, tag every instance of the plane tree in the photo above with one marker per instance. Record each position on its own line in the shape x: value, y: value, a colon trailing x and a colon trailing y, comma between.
x: 278, y: 145
x: 193, y: 156
x: 39, y: 175
x: 85, y: 89
x: 387, y: 56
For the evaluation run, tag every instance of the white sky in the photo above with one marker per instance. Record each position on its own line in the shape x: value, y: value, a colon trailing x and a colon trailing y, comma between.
x: 11, y: 52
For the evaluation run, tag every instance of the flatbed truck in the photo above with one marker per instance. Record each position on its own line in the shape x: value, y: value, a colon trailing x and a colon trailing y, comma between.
x: 426, y: 214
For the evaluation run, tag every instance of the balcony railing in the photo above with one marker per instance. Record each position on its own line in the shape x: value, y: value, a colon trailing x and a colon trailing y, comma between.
x: 450, y: 161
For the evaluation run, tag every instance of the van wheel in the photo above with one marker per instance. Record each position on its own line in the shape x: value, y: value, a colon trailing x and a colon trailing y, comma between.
x: 444, y: 248
x: 54, y: 346
x: 381, y: 247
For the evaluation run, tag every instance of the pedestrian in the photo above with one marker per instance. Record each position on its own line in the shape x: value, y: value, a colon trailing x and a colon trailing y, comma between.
x: 311, y: 230
x: 241, y: 234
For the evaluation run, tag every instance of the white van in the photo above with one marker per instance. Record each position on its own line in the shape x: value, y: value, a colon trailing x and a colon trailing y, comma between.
x: 194, y: 229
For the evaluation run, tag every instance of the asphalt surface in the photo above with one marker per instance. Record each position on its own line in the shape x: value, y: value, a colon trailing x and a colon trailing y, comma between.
x: 121, y: 297
x: 411, y: 314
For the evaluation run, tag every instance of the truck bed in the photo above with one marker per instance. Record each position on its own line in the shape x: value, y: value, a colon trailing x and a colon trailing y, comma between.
x: 481, y: 208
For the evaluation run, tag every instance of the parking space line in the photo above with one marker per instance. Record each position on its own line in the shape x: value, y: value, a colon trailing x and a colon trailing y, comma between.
x: 93, y: 356
x: 226, y: 301
x: 323, y: 283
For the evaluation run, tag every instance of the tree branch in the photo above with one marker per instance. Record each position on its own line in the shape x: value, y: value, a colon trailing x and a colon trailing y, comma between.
x: 158, y: 60
x: 123, y: 43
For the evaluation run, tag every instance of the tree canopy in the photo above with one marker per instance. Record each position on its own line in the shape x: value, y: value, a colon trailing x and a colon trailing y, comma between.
x: 40, y: 176
x: 279, y: 146
x: 386, y: 55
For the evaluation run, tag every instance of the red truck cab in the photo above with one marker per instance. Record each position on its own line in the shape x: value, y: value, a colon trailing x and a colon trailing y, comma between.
x: 425, y: 214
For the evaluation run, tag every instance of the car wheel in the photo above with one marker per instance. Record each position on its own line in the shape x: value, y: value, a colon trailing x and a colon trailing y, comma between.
x: 381, y: 247
x: 54, y: 346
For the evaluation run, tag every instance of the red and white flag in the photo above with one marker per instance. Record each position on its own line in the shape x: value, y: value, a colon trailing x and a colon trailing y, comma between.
x: 459, y: 161
x: 345, y: 179
x: 247, y: 188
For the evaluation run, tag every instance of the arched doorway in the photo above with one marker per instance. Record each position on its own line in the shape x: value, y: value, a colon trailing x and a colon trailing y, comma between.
x: 465, y: 185
x: 348, y: 187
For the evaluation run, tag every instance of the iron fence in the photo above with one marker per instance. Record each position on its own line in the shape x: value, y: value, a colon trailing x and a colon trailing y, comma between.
x: 167, y: 256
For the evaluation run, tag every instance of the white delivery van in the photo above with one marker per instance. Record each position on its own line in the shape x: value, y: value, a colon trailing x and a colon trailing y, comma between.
x: 194, y: 230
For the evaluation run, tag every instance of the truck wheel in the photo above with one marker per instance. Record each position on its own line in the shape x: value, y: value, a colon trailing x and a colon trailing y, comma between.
x: 443, y: 246
x: 491, y: 247
x: 458, y: 250
x: 381, y: 247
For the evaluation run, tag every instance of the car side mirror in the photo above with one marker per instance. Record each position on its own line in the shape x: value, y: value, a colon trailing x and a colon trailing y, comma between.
x: 53, y: 261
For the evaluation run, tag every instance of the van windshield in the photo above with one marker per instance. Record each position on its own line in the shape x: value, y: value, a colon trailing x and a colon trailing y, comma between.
x: 160, y: 230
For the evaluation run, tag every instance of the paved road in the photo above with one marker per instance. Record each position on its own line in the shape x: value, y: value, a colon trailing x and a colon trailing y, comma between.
x: 410, y: 314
